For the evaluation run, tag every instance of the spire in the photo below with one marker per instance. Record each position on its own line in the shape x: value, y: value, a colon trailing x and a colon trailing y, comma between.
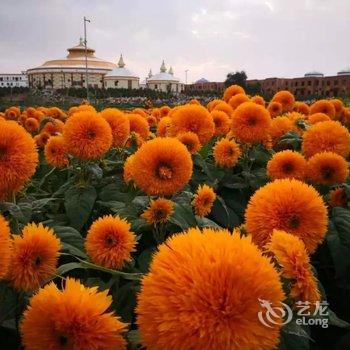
x: 81, y: 41
x: 162, y: 67
x: 150, y: 73
x: 121, y: 63
x: 171, y: 71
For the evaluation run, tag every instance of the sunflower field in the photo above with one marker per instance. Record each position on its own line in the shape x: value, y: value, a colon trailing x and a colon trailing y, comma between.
x: 192, y: 227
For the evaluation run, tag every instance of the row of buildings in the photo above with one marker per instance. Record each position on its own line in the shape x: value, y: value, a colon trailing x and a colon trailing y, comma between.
x: 69, y: 72
x: 310, y: 85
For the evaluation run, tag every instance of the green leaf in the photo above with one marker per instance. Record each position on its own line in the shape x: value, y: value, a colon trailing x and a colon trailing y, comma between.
x: 334, y: 320
x: 87, y: 265
x: 183, y: 216
x: 8, y: 302
x: 134, y: 340
x: 294, y: 337
x: 78, y: 203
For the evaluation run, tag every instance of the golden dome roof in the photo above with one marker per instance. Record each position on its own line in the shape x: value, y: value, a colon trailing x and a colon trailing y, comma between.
x: 75, y: 60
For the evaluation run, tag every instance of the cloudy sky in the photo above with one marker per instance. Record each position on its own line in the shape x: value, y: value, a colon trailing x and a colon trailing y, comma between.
x: 210, y: 38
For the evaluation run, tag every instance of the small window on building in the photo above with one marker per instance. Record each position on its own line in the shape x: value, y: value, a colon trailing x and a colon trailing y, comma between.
x: 328, y: 83
x: 335, y: 82
x: 116, y: 83
x: 302, y: 83
x: 1, y: 78
x: 296, y: 83
x: 309, y: 83
x: 156, y: 86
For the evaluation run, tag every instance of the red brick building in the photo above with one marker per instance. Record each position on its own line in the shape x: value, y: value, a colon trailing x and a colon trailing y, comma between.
x: 310, y: 85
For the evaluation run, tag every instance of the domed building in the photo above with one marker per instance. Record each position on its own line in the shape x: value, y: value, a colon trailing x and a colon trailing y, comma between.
x: 314, y: 74
x: 344, y: 72
x: 165, y: 81
x: 121, y: 77
x: 70, y: 71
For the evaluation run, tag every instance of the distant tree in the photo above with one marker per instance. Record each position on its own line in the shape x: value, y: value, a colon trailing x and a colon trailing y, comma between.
x: 238, y: 78
x: 254, y: 89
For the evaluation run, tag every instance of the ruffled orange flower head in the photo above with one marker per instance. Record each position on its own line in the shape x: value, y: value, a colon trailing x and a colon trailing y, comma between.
x: 288, y: 205
x: 119, y: 124
x: 251, y: 122
x: 18, y: 158
x: 221, y: 121
x: 293, y: 258
x: 211, y: 281
x: 190, y: 140
x: 232, y: 91
x: 323, y: 106
x: 287, y: 164
x: 5, y: 247
x: 328, y: 136
x: 162, y: 166
x: 275, y: 109
x: 226, y: 153
x: 139, y: 125
x: 55, y: 152
x: 237, y: 100
x: 318, y: 117
x: 327, y: 168
x: 87, y: 135
x: 193, y: 118
x: 301, y: 107
x: 34, y: 257
x: 258, y: 100
x: 75, y: 318
x: 286, y: 99
x: 109, y: 242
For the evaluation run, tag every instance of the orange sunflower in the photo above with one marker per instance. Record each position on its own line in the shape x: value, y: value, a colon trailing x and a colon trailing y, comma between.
x: 140, y: 111
x: 279, y: 127
x: 203, y: 200
x: 338, y: 106
x: 42, y: 138
x: 221, y: 121
x: 5, y: 247
x: 12, y: 113
x: 31, y: 125
x: 226, y: 153
x: 190, y: 140
x: 163, y: 127
x: 139, y: 125
x: 327, y: 168
x: 87, y: 135
x: 75, y: 318
x: 212, y: 104
x: 224, y: 107
x: 232, y: 91
x: 159, y: 210
x: 251, y: 122
x: 54, y: 127
x: 110, y: 242
x: 237, y: 100
x: 318, y: 117
x: 338, y: 197
x: 212, y: 282
x: 119, y: 124
x: 288, y: 205
x: 328, y: 136
x: 293, y: 258
x: 162, y: 166
x: 34, y: 257
x: 127, y: 173
x: 323, y: 106
x: 286, y: 99
x: 55, y: 152
x: 193, y: 118
x: 164, y: 111
x: 18, y: 158
x: 287, y: 164
x: 275, y: 109
x: 302, y: 108
x: 258, y: 100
